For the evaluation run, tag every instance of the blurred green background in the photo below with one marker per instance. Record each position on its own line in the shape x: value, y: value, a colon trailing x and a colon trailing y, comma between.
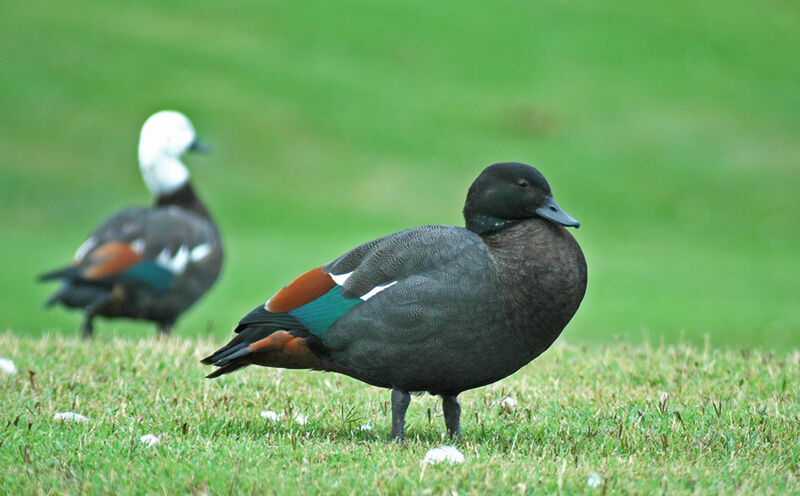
x: 670, y: 129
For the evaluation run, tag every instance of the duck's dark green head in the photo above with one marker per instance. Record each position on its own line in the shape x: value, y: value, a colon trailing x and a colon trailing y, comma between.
x: 508, y: 192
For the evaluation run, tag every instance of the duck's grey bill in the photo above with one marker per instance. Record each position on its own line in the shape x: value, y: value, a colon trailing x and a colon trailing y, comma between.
x: 551, y: 211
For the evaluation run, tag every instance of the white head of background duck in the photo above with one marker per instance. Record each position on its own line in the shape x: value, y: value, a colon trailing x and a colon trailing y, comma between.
x: 435, y: 308
x: 148, y: 263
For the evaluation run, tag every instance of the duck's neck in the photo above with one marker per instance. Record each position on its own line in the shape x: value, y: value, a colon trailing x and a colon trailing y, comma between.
x: 163, y: 175
x: 485, y: 225
x: 185, y: 198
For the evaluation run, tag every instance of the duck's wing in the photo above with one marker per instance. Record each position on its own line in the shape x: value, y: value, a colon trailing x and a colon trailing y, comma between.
x: 290, y: 329
x: 320, y: 297
x: 436, y: 318
x: 147, y: 248
x: 383, y: 261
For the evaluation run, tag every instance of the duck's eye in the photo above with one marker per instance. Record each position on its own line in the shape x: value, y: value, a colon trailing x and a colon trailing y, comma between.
x: 523, y: 183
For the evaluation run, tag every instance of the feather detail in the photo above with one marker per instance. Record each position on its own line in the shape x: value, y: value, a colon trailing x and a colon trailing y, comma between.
x: 109, y: 259
x: 304, y: 289
x: 316, y: 299
x: 150, y: 274
x: 319, y: 314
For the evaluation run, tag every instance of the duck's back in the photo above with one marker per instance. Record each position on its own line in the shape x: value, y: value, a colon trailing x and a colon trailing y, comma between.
x: 188, y: 245
x: 451, y: 322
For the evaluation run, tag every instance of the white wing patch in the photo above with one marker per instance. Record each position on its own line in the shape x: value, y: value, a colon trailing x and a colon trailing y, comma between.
x: 177, y: 263
x: 377, y: 289
x: 85, y: 248
x: 200, y: 252
x: 137, y: 245
x: 174, y: 263
x: 341, y: 278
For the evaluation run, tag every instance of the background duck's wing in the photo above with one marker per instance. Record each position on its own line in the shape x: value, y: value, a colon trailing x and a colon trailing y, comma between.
x: 145, y: 247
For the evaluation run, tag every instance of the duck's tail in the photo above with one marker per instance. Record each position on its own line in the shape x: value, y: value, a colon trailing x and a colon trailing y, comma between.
x: 69, y: 273
x: 271, y: 340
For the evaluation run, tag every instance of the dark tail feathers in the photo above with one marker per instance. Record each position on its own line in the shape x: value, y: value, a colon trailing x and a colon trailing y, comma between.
x: 79, y: 295
x: 224, y: 357
x: 233, y: 355
x: 63, y: 273
x: 254, y: 327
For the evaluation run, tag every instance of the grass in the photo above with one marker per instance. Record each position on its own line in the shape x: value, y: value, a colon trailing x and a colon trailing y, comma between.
x: 671, y: 131
x: 671, y: 419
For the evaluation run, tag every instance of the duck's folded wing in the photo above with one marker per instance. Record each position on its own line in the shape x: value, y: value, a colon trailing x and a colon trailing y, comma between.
x: 104, y: 260
x: 291, y: 329
x: 110, y: 250
x: 383, y: 261
x: 322, y: 296
x: 139, y: 246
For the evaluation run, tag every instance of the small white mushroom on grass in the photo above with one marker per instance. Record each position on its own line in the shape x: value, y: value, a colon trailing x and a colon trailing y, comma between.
x: 149, y: 440
x: 594, y: 481
x: 69, y: 417
x: 301, y: 419
x: 447, y: 454
x: 270, y: 415
x: 7, y: 366
x: 507, y: 405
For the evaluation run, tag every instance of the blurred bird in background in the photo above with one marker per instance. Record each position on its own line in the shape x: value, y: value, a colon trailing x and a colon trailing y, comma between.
x: 148, y: 263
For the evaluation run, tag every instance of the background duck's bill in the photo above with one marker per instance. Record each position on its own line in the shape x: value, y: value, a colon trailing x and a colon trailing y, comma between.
x: 199, y: 146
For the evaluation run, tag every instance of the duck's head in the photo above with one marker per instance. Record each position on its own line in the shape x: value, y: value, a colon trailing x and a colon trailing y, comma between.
x: 165, y: 136
x: 508, y: 192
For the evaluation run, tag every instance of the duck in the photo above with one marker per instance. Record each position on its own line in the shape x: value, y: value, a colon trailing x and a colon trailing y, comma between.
x: 148, y: 263
x: 438, y: 308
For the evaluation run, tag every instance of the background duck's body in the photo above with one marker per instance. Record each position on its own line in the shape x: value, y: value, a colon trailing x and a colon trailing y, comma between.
x: 148, y: 263
x: 435, y: 308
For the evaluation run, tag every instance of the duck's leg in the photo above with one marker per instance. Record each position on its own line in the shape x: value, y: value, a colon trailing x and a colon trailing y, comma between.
x: 91, y: 310
x: 164, y: 329
x: 87, y: 328
x: 400, y: 401
x: 452, y: 415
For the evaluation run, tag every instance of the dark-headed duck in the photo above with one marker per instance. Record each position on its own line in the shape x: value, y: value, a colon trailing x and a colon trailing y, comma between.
x: 435, y: 308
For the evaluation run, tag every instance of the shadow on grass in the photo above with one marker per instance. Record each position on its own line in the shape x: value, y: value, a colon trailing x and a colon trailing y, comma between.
x: 496, y: 438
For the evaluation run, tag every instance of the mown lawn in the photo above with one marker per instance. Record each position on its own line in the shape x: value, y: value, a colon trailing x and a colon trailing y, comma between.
x: 671, y: 130
x: 616, y: 418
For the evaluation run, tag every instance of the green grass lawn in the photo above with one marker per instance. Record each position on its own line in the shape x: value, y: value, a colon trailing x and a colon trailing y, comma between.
x: 671, y: 419
x: 671, y: 130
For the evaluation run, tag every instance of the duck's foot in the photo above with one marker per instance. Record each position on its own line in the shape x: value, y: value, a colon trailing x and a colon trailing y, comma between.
x: 400, y: 401
x: 452, y: 416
